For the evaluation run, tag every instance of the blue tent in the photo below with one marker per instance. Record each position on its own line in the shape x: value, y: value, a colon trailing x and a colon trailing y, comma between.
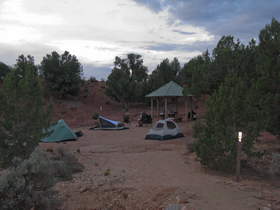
x: 107, y: 124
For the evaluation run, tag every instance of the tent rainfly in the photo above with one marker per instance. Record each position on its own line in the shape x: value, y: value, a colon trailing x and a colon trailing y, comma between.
x: 168, y: 90
x: 59, y: 132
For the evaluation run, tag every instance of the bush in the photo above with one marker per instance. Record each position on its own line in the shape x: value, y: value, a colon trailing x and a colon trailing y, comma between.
x: 92, y: 79
x: 4, y: 70
x: 23, y: 113
x: 28, y: 185
x: 65, y: 164
x: 95, y: 116
x: 275, y: 164
x: 62, y: 74
x: 231, y: 109
x: 126, y: 118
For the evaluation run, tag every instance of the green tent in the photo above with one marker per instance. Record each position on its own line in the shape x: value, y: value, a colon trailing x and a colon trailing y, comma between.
x: 59, y: 132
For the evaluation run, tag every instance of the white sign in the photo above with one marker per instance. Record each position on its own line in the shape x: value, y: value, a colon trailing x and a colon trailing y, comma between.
x: 239, y: 136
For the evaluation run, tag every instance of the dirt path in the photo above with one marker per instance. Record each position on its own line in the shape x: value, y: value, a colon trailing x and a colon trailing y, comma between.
x: 124, y: 171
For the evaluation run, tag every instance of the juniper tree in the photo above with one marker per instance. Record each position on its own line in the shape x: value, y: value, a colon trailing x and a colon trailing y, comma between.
x: 234, y: 107
x: 62, y: 74
x: 127, y: 81
x: 23, y: 115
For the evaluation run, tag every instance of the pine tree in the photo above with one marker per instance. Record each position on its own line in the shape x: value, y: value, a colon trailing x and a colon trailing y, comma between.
x: 268, y: 69
x: 23, y: 115
x: 234, y: 107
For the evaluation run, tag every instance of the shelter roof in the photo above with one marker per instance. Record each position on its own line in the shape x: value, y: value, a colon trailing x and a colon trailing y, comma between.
x: 169, y: 89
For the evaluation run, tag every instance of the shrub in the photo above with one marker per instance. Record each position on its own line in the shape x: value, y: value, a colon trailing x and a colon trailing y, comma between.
x: 95, y: 116
x: 107, y: 172
x: 275, y: 164
x: 65, y: 164
x: 4, y: 70
x: 92, y: 79
x: 126, y: 118
x: 62, y: 74
x: 28, y: 185
x: 232, y: 108
x: 23, y: 113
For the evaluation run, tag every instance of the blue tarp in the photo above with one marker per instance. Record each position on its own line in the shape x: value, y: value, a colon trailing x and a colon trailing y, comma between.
x: 111, y: 121
x: 107, y: 124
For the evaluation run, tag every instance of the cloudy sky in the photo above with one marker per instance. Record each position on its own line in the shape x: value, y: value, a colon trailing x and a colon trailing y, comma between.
x: 97, y: 31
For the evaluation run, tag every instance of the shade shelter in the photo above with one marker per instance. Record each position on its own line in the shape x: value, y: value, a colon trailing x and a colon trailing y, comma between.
x: 169, y: 90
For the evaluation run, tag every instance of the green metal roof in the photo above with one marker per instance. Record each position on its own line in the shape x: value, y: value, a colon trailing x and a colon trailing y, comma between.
x: 169, y: 89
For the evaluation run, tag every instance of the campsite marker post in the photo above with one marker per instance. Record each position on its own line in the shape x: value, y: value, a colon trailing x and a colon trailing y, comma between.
x: 238, y: 153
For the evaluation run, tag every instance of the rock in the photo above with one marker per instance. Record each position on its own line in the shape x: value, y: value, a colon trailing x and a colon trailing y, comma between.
x: 275, y: 165
x: 265, y: 208
x: 125, y: 195
x: 174, y: 207
x: 84, y: 189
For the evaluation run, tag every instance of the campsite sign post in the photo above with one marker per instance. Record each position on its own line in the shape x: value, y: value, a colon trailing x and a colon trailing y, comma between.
x: 238, y: 153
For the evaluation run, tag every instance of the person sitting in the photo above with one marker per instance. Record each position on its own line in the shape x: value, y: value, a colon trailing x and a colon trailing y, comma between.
x: 189, y: 115
x: 144, y: 119
x: 193, y: 115
x: 172, y: 114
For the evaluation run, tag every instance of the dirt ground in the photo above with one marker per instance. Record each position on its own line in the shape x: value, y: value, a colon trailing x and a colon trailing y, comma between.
x: 124, y: 171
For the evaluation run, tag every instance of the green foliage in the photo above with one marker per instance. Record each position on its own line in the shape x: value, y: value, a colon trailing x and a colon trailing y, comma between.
x: 23, y: 114
x: 25, y: 64
x: 29, y: 184
x: 4, y: 70
x: 65, y: 164
x: 95, y: 116
x: 204, y: 74
x: 93, y: 79
x: 127, y: 81
x: 165, y: 72
x: 107, y: 172
x: 234, y: 107
x: 195, y: 75
x: 62, y: 74
x: 245, y: 95
x: 268, y: 69
x: 126, y: 118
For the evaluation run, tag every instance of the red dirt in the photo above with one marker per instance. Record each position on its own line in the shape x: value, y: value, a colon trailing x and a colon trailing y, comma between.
x: 124, y: 171
x: 79, y: 112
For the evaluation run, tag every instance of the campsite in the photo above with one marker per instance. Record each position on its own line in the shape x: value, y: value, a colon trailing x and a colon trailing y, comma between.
x: 145, y: 174
x: 125, y: 171
x: 139, y: 105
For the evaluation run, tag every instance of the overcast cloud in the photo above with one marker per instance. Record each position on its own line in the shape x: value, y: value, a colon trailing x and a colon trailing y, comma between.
x: 97, y: 31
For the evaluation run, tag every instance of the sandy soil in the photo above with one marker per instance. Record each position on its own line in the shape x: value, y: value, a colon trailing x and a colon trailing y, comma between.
x: 124, y: 171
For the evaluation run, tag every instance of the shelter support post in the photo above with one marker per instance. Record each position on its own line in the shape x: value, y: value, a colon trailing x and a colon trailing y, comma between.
x: 191, y: 103
x: 165, y: 108
x: 152, y: 107
x: 186, y: 108
x: 176, y: 108
x: 157, y: 107
x: 238, y: 161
